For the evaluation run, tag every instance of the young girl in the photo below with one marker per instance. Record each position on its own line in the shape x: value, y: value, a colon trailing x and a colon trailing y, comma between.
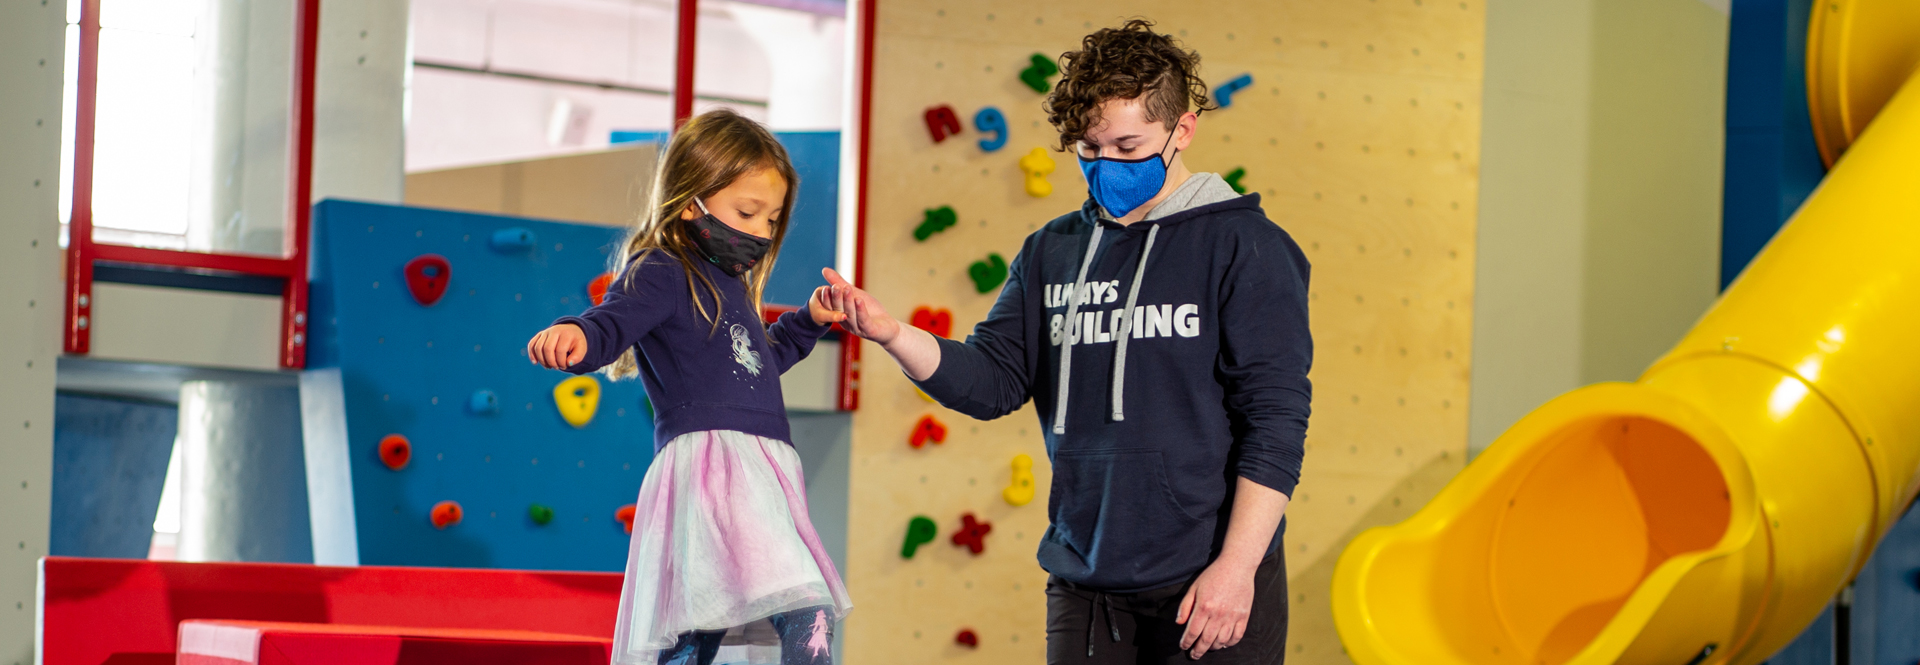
x: 721, y: 537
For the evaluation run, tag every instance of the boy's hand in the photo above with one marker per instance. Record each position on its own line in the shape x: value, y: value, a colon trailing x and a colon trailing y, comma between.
x: 863, y: 315
x: 558, y: 347
x: 821, y: 307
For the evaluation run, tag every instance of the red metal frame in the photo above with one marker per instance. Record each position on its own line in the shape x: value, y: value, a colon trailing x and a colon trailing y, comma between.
x: 82, y: 251
x: 687, y: 14
x: 850, y: 350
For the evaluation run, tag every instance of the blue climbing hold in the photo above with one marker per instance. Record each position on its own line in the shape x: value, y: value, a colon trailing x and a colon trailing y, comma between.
x: 483, y: 402
x: 513, y: 239
x: 991, y: 120
x: 1224, y: 93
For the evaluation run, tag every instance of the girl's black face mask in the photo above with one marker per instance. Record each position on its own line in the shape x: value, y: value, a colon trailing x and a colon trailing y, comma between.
x: 733, y: 251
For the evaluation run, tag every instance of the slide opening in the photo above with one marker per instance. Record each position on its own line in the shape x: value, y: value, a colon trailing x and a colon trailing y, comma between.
x: 1607, y: 502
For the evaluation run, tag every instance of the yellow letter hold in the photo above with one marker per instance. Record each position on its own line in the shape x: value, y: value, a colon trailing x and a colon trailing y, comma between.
x: 1037, y: 165
x: 1021, y: 491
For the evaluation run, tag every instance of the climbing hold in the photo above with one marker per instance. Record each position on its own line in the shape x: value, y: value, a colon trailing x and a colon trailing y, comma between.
x: 1233, y: 179
x: 967, y: 638
x: 942, y: 123
x: 989, y: 274
x: 597, y: 289
x: 1020, y: 492
x: 577, y: 398
x: 395, y: 451
x: 1035, y: 75
x: 483, y: 402
x: 445, y: 514
x: 1037, y: 165
x: 625, y: 516
x: 514, y: 239
x: 937, y: 220
x: 928, y: 429
x: 923, y: 395
x: 427, y: 277
x: 540, y: 515
x: 1224, y: 93
x: 991, y: 120
x: 972, y: 534
x: 920, y: 531
x: 936, y: 321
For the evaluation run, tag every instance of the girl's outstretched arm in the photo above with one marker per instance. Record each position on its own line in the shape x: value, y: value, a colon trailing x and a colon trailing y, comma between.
x: 636, y: 302
x: 916, y: 350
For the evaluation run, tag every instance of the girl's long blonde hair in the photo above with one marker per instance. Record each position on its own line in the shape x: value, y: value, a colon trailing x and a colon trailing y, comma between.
x: 706, y: 155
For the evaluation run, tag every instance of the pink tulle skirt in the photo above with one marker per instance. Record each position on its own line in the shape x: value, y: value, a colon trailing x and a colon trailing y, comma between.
x: 721, y: 541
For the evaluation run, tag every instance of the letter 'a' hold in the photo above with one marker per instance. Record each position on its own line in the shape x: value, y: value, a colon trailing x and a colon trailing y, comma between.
x: 577, y: 398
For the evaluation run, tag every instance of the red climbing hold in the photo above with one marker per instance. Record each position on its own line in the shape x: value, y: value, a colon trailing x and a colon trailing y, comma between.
x: 942, y: 123
x: 928, y: 429
x: 395, y: 451
x: 967, y: 638
x: 972, y: 534
x: 936, y: 321
x: 427, y: 277
x: 625, y: 515
x: 597, y: 289
x: 445, y: 514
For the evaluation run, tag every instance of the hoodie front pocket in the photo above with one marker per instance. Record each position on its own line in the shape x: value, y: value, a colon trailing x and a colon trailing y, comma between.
x: 1118, y: 498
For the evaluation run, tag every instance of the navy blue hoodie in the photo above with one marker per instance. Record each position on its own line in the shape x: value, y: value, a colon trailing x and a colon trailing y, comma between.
x: 1159, y: 417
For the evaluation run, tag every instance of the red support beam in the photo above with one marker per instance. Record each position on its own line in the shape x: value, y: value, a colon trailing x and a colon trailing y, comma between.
x: 850, y: 350
x: 77, y: 332
x: 688, y: 16
x: 293, y: 300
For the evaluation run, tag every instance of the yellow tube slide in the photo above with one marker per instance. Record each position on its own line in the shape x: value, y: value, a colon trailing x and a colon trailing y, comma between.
x: 1707, y: 512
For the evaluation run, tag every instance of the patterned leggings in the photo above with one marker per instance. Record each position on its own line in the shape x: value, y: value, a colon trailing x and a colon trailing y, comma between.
x: 805, y: 638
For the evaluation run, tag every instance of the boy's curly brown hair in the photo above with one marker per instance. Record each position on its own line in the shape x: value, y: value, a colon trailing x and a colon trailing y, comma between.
x: 1125, y: 63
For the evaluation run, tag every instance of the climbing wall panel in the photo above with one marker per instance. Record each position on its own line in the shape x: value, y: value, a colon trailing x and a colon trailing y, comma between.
x: 413, y: 370
x: 1359, y: 129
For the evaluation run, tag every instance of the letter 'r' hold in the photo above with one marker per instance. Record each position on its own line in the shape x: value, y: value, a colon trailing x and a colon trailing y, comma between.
x: 577, y: 398
x: 942, y: 123
x: 427, y: 278
x: 920, y: 531
x: 445, y: 514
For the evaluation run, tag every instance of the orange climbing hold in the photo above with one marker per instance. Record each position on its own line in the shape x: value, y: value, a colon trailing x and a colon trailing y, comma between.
x: 972, y: 534
x: 625, y: 515
x: 597, y: 289
x: 395, y: 451
x: 445, y: 514
x: 928, y: 429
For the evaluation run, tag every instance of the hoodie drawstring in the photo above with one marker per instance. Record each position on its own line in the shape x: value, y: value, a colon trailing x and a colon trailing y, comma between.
x: 1126, y: 329
x: 1066, y: 332
x: 1099, y: 600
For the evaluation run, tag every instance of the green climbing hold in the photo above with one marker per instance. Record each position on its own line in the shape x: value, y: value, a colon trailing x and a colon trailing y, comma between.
x: 1233, y: 179
x: 938, y: 219
x: 540, y: 515
x: 989, y: 274
x: 920, y: 531
x: 1036, y: 76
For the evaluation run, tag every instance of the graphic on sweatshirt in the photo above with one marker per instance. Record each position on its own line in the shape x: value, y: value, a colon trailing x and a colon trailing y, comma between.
x: 1098, y: 326
x: 743, y: 352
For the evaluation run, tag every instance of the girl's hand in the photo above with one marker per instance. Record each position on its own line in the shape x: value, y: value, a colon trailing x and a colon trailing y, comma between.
x: 558, y: 347
x: 821, y: 307
x: 864, y: 315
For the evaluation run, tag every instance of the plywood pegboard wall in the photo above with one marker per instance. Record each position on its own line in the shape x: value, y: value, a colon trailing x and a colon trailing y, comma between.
x: 1360, y: 131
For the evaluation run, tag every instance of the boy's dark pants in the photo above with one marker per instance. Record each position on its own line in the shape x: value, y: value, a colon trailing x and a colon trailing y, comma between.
x: 1081, y: 619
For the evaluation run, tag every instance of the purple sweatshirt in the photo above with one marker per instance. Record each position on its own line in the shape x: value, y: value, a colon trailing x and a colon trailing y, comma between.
x: 697, y: 377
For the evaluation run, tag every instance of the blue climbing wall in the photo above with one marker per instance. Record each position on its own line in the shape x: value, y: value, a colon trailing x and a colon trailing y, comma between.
x: 410, y: 369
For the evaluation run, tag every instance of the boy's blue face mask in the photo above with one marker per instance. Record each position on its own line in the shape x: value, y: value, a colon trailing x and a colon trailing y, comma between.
x: 1121, y: 185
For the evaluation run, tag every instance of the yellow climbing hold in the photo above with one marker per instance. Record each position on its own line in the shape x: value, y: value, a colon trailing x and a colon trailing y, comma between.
x: 1021, y: 491
x: 1037, y: 165
x: 577, y: 398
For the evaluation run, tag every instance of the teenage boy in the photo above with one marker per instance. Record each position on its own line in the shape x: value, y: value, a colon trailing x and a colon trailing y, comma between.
x: 1161, y: 331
